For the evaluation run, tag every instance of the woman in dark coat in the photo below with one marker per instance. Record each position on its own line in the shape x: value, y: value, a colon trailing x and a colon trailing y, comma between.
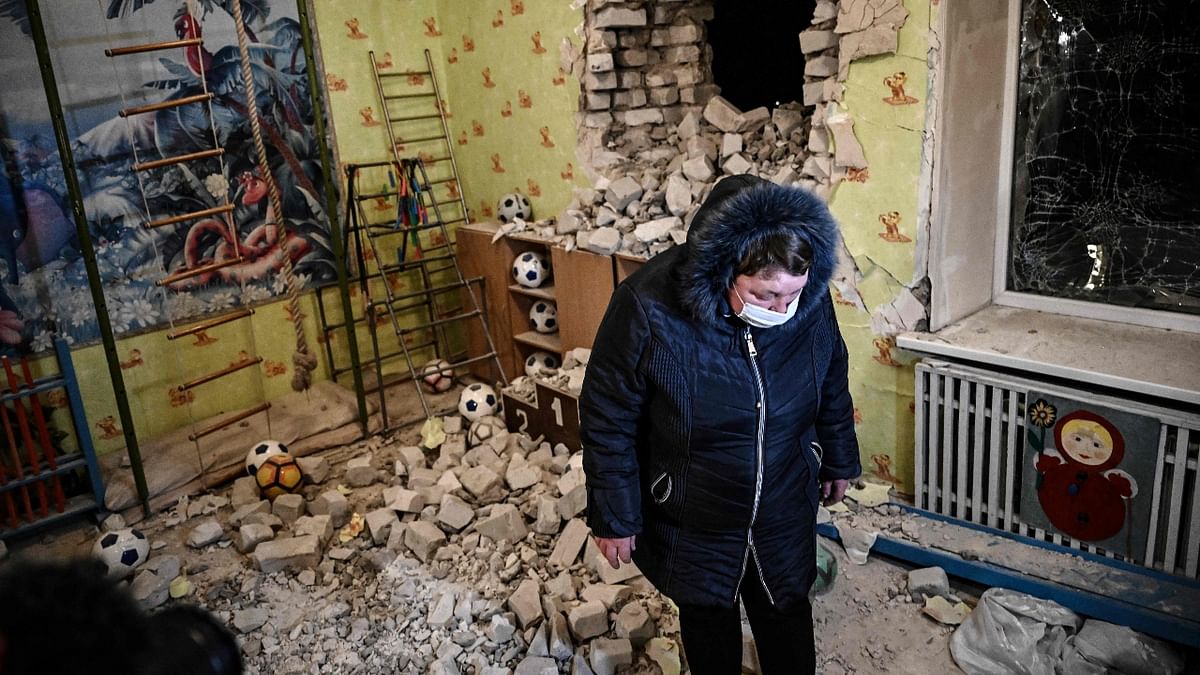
x: 714, y: 415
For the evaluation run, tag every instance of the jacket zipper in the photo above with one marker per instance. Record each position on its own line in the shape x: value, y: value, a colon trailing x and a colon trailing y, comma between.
x: 758, y: 472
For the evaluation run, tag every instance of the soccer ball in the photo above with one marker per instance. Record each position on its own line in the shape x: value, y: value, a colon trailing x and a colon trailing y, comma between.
x: 259, y: 454
x: 478, y: 400
x: 530, y: 269
x: 513, y: 205
x: 539, y: 361
x: 543, y: 316
x: 121, y: 551
x: 482, y: 429
x: 437, y: 376
x: 279, y: 474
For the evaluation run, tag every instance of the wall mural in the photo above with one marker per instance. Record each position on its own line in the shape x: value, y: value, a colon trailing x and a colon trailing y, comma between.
x: 1091, y: 470
x: 45, y: 284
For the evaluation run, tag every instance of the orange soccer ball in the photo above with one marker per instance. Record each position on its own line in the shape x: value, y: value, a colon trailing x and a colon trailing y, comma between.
x: 279, y: 474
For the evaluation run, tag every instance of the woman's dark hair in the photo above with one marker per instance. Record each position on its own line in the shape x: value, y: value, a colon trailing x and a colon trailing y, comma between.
x: 783, y: 250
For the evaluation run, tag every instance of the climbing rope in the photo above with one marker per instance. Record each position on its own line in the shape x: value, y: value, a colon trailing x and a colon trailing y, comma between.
x: 304, y: 362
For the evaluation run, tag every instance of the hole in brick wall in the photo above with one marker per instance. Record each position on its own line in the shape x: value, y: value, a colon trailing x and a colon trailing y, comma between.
x: 756, y: 50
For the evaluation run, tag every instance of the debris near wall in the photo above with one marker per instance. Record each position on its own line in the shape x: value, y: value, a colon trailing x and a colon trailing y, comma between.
x: 469, y: 557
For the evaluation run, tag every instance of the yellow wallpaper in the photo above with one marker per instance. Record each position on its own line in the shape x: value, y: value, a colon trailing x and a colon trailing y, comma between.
x: 514, y: 106
x: 877, y: 207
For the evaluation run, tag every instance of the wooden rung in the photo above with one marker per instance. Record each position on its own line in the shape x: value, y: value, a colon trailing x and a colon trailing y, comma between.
x: 178, y: 159
x: 218, y: 374
x: 163, y: 105
x: 405, y: 141
x: 196, y: 271
x: 153, y: 47
x: 203, y: 213
x: 413, y: 119
x: 211, y: 323
x: 229, y: 422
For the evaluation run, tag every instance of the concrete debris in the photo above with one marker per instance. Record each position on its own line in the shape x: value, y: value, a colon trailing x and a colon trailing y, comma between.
x: 288, y: 507
x: 928, y: 581
x: 288, y: 553
x: 205, y: 533
x: 360, y: 473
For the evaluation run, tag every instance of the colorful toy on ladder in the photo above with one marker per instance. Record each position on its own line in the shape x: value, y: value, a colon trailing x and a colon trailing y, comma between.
x: 410, y: 209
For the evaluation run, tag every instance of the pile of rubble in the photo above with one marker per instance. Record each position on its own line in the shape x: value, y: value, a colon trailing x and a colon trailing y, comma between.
x: 469, y: 557
x: 567, y: 378
x: 641, y: 209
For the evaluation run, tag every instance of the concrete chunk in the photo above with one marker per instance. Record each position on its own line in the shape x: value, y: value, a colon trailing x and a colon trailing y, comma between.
x: 604, y: 240
x: 847, y: 152
x: 245, y: 491
x: 321, y: 526
x: 333, y: 504
x: 623, y: 192
x: 536, y: 665
x: 569, y: 543
x: 699, y: 169
x: 600, y: 63
x: 612, y: 596
x: 736, y: 164
x: 483, y: 484
x: 505, y: 522
x: 423, y: 538
x: 821, y: 67
x: 813, y: 40
x: 724, y: 115
x: 608, y: 655
x: 250, y: 536
x: 379, y: 524
x: 656, y: 230
x: 205, y: 533
x: 405, y: 501
x: 315, y: 469
x: 616, y: 17
x: 731, y: 144
x: 787, y: 120
x: 288, y: 507
x: 753, y: 120
x: 526, y: 603
x: 360, y: 473
x: 243, y: 512
x: 929, y: 581
x: 290, y: 553
x: 454, y: 512
x: 548, y: 520
x: 588, y: 620
x: 442, y: 611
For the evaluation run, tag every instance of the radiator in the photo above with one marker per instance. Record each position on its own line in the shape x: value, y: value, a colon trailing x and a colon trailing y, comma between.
x: 970, y: 431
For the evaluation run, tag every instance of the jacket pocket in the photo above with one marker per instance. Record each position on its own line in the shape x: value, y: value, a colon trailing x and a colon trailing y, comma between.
x: 660, y: 488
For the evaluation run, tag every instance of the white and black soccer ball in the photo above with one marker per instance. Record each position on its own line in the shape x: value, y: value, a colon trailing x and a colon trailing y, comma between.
x: 543, y: 316
x: 513, y: 205
x: 477, y: 401
x: 531, y: 269
x: 437, y: 376
x: 540, y: 361
x: 482, y: 429
x: 121, y: 551
x: 260, y: 452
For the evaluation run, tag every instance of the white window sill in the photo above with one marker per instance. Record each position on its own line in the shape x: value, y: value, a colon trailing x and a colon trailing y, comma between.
x: 1151, y: 361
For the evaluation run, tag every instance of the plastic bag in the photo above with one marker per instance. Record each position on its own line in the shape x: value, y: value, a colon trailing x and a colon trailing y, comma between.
x: 1011, y: 632
x: 1107, y: 648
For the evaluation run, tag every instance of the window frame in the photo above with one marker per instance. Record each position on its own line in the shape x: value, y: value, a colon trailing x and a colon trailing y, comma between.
x: 1001, y: 295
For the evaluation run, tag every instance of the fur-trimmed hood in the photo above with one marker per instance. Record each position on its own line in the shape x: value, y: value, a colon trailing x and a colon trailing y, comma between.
x: 739, y: 211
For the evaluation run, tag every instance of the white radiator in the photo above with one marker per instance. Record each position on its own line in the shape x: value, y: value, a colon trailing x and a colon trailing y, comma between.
x: 970, y: 432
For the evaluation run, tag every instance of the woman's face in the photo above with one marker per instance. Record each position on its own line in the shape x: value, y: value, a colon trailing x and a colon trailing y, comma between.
x: 773, y: 289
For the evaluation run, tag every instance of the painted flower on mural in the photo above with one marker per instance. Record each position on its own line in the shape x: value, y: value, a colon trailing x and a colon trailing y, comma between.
x: 252, y: 294
x: 280, y: 283
x: 133, y: 312
x: 221, y: 300
x: 217, y: 186
x: 1042, y: 414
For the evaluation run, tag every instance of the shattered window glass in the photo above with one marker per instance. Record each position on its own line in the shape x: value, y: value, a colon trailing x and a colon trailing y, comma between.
x: 1106, y: 177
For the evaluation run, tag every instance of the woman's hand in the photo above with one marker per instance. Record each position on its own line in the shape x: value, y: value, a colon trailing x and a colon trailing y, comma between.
x: 832, y: 491
x: 615, y: 550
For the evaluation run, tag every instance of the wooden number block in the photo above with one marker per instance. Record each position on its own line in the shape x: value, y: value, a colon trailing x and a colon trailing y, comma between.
x: 559, y: 415
x: 521, y: 416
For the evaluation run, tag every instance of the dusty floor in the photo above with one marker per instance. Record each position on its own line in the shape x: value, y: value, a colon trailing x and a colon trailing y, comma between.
x: 366, y: 608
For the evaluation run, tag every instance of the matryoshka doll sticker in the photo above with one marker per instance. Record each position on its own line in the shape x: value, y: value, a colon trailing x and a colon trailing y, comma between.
x: 1079, y: 486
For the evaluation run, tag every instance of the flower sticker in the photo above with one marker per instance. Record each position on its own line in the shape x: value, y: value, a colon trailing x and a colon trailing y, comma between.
x: 1042, y: 414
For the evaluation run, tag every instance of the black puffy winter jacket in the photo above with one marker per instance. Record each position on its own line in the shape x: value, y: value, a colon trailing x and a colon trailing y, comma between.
x: 705, y: 437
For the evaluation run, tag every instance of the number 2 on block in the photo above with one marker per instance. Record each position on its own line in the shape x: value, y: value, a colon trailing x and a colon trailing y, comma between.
x: 556, y: 406
x: 524, y: 420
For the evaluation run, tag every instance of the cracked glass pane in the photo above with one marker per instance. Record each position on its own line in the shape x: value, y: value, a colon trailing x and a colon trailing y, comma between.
x: 1106, y: 177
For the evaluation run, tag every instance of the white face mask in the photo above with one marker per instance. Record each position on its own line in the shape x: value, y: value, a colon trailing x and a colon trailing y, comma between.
x: 761, y: 317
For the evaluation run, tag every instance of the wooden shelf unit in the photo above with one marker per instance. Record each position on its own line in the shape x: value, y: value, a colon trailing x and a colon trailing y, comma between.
x: 580, y: 286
